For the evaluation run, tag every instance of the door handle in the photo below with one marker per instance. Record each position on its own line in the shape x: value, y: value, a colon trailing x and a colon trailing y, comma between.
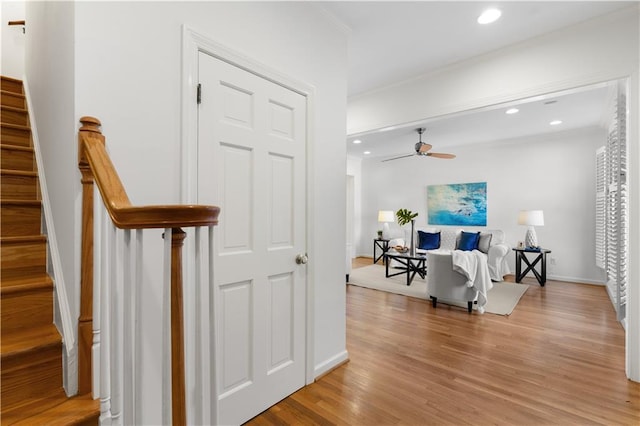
x: 302, y: 259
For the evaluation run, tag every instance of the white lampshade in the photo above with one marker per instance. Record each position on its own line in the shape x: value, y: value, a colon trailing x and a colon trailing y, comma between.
x: 531, y: 218
x: 386, y: 216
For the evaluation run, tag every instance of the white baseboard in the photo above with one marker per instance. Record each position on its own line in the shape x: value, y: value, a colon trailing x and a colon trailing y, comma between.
x: 331, y: 363
x: 574, y: 280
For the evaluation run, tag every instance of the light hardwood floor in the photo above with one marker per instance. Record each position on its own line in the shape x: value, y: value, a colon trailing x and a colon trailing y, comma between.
x: 557, y: 359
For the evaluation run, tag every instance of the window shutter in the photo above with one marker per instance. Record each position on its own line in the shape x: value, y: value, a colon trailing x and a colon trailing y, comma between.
x: 616, y: 230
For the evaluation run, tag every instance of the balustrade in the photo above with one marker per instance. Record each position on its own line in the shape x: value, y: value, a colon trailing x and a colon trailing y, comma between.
x: 109, y: 351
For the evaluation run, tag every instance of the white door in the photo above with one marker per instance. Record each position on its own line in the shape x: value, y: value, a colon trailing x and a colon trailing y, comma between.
x: 251, y: 163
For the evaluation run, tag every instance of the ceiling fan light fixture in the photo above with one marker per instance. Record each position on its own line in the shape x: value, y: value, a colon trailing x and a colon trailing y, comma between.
x: 489, y: 16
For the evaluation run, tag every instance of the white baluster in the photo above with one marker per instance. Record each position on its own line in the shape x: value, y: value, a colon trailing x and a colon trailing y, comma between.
x: 116, y: 328
x: 98, y: 218
x: 166, y: 329
x: 137, y: 353
x: 128, y: 294
x: 213, y: 378
x: 105, y: 335
x: 197, y: 329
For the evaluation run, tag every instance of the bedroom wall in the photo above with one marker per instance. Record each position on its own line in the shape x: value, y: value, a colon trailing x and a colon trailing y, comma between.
x: 553, y: 172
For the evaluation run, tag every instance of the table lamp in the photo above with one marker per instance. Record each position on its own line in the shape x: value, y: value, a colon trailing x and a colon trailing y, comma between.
x: 385, y: 216
x: 531, y: 218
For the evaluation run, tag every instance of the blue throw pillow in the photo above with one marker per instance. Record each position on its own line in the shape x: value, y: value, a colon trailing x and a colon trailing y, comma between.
x: 428, y: 241
x: 468, y: 241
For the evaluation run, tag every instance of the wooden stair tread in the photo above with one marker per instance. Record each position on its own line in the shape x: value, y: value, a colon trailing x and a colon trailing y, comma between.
x: 26, y: 203
x: 12, y: 85
x: 23, y: 284
x: 16, y: 147
x: 28, y: 407
x: 10, y: 93
x: 12, y: 108
x: 19, y: 341
x: 23, y: 239
x: 15, y: 126
x: 18, y: 173
x: 79, y: 410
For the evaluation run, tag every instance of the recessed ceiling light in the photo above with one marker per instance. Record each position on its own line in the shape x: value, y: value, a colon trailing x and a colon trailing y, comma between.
x: 512, y: 111
x: 555, y: 122
x: 367, y: 152
x: 357, y: 141
x: 489, y: 16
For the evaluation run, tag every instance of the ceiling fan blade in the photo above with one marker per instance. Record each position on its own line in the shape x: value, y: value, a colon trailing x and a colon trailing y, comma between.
x: 440, y: 155
x: 397, y: 158
x: 425, y: 147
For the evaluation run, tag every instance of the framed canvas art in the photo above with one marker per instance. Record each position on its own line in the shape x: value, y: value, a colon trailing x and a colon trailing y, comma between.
x: 463, y: 204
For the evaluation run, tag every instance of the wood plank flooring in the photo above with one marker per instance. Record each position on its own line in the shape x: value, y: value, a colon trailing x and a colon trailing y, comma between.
x: 557, y: 359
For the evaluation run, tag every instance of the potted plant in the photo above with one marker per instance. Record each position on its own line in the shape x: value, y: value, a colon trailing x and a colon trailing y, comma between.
x: 407, y: 216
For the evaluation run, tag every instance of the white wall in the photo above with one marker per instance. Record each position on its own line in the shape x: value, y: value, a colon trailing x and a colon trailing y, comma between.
x: 13, y: 40
x: 128, y: 75
x: 553, y: 172
x: 49, y: 68
x: 354, y: 169
x: 599, y: 50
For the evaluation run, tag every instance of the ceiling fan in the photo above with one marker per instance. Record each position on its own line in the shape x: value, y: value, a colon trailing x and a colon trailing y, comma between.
x: 423, y: 149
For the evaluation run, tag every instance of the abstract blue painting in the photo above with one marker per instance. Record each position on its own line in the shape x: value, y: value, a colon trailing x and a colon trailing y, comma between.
x: 457, y: 204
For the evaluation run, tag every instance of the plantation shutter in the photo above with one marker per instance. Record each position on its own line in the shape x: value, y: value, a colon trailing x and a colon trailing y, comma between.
x: 616, y: 207
x: 601, y: 208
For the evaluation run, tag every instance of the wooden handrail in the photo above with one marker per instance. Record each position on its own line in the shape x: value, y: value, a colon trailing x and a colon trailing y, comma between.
x: 96, y: 166
x: 122, y: 213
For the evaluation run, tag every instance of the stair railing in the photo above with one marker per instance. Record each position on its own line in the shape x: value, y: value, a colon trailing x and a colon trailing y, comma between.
x: 110, y: 338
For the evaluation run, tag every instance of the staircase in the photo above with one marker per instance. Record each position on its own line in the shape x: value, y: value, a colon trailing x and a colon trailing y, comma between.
x: 31, y: 347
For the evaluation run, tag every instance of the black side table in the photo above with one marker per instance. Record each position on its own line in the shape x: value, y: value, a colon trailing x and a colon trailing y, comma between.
x: 383, y: 245
x: 540, y: 256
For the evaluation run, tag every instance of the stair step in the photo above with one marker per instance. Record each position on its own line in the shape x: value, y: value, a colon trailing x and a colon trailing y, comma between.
x: 12, y: 99
x: 20, y: 218
x: 12, y: 134
x: 21, y: 345
x: 22, y: 256
x: 26, y: 305
x: 13, y: 284
x: 17, y: 158
x: 11, y: 85
x: 19, y: 185
x: 12, y: 115
x: 78, y: 411
x: 22, y: 410
x: 39, y: 374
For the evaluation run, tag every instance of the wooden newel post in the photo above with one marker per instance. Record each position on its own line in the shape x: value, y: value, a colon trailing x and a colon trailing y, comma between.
x: 178, y: 407
x: 90, y: 128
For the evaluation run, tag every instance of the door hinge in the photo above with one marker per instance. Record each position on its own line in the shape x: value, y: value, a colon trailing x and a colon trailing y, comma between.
x: 199, y: 94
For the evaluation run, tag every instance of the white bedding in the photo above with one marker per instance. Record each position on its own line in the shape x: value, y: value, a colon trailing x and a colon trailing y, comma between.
x: 473, y: 265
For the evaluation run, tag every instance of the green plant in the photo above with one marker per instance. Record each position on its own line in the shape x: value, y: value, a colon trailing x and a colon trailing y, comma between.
x: 405, y: 216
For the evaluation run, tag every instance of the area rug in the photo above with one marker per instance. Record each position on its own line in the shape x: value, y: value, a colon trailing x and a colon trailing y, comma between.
x: 502, y: 298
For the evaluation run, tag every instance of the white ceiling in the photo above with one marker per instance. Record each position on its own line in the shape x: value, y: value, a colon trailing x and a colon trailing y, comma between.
x: 392, y: 41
